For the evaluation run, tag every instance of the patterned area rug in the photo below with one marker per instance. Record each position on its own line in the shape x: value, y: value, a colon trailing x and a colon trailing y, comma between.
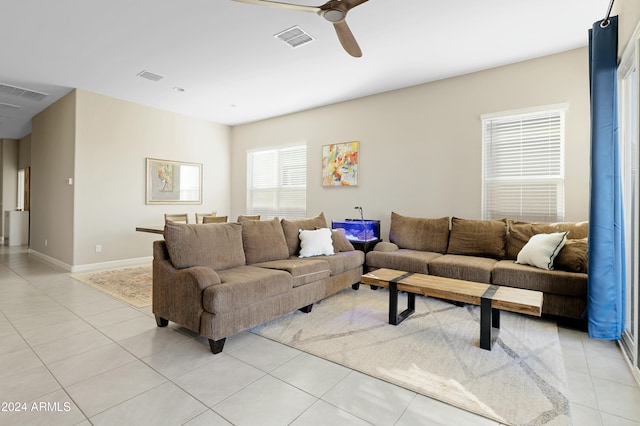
x: 435, y: 352
x: 131, y: 285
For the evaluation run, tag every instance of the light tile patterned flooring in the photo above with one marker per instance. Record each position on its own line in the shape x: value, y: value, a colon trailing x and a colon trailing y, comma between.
x: 85, y: 358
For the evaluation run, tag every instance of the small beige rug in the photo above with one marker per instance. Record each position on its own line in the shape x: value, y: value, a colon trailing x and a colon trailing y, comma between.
x: 435, y: 352
x: 131, y: 285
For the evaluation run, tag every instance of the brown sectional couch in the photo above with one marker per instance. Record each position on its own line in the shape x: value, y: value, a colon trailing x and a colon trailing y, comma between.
x: 485, y: 251
x: 219, y: 279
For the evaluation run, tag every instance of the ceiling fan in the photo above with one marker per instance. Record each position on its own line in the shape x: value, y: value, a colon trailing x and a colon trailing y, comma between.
x: 334, y: 11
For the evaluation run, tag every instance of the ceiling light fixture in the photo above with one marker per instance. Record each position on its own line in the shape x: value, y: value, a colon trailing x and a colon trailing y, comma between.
x: 178, y: 89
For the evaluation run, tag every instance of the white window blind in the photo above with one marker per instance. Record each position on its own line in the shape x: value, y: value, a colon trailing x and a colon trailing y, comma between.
x: 523, y: 165
x: 277, y: 182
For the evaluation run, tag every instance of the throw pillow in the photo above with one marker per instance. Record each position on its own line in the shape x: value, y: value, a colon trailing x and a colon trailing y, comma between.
x: 292, y: 227
x: 340, y: 241
x: 485, y: 238
x: 216, y: 245
x: 316, y: 242
x: 263, y: 241
x: 573, y: 256
x: 542, y: 249
x: 520, y: 232
x: 417, y: 233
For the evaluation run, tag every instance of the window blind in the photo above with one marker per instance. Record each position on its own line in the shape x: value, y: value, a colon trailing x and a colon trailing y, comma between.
x: 277, y: 182
x: 523, y: 166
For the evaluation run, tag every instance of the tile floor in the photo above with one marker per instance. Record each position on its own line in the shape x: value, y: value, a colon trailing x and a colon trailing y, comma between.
x: 71, y: 355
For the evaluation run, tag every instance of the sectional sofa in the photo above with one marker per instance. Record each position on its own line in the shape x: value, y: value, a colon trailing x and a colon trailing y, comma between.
x: 486, y: 251
x: 221, y: 278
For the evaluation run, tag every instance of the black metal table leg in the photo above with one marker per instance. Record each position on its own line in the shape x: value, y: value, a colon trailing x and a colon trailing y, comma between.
x: 394, y: 317
x: 489, y: 319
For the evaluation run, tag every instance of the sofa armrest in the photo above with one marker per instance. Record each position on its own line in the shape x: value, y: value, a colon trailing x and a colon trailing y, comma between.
x: 386, y: 246
x: 177, y: 293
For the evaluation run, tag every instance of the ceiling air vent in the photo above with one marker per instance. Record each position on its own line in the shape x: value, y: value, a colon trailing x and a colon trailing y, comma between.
x: 6, y: 89
x: 149, y: 75
x: 294, y: 36
x: 8, y: 107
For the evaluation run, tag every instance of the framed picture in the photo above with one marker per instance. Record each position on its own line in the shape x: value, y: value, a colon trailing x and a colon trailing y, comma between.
x: 173, y: 182
x: 340, y: 164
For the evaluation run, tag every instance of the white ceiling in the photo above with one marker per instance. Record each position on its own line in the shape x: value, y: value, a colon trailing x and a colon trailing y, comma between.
x: 234, y: 71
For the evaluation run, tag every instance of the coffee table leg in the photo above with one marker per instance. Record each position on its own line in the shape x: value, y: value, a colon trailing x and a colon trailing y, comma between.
x: 489, y: 319
x: 394, y: 318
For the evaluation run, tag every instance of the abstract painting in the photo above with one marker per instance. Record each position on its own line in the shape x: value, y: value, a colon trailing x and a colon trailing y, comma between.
x: 173, y: 182
x: 340, y: 164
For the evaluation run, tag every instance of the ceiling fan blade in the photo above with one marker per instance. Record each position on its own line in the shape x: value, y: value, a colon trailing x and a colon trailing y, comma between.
x: 350, y: 4
x: 280, y: 5
x: 347, y: 39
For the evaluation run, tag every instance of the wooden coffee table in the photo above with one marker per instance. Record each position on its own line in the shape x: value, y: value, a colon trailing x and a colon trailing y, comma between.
x: 491, y: 298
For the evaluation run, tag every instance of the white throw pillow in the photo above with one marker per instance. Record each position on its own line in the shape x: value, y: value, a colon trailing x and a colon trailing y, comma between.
x: 542, y: 249
x: 316, y: 243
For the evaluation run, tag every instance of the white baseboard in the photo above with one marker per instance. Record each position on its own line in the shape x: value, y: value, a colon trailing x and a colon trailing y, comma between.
x: 50, y: 260
x: 114, y: 264
x: 92, y: 266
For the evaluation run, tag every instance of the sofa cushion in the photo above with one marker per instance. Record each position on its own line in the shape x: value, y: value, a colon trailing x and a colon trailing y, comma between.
x: 316, y: 242
x: 342, y: 262
x: 477, y: 237
x: 244, y: 286
x: 303, y: 271
x: 263, y: 240
x: 509, y: 273
x: 216, y: 245
x: 520, y: 232
x: 419, y: 233
x: 573, y: 256
x: 402, y: 260
x: 340, y: 241
x: 386, y: 246
x: 542, y: 249
x: 292, y: 227
x: 468, y: 268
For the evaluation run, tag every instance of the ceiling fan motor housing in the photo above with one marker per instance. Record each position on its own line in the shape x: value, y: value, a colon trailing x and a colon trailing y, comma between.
x: 333, y: 15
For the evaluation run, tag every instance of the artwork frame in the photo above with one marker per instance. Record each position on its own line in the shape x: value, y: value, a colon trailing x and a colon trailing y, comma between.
x: 173, y: 182
x: 340, y: 164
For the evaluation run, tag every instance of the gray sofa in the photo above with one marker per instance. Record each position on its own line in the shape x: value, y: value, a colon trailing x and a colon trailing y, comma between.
x: 485, y: 251
x: 219, y: 279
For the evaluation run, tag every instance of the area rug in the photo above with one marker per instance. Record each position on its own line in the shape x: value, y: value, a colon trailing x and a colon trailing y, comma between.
x: 435, y: 352
x: 131, y: 285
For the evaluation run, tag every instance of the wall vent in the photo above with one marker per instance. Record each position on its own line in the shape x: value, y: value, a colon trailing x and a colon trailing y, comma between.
x: 149, y: 75
x: 6, y: 89
x: 294, y: 36
x: 8, y: 107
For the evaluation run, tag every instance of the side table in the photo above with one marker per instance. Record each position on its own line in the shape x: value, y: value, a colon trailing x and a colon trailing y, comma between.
x: 366, y: 247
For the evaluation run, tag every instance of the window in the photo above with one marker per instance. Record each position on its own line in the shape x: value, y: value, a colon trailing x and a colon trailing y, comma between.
x: 523, y: 165
x: 277, y: 182
x: 629, y: 126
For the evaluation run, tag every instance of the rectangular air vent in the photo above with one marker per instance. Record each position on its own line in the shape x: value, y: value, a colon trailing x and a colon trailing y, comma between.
x: 149, y: 75
x: 6, y: 89
x: 294, y: 36
x: 8, y: 107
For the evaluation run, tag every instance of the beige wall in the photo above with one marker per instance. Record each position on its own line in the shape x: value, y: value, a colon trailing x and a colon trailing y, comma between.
x: 52, y: 162
x: 8, y: 177
x: 24, y: 155
x: 421, y: 146
x: 102, y: 143
x: 114, y: 138
x: 628, y: 12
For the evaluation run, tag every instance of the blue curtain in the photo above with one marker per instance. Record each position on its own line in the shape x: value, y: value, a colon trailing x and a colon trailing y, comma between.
x: 606, y: 286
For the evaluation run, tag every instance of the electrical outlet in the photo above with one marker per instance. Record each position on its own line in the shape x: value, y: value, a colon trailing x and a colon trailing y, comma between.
x: 46, y: 242
x: 98, y: 248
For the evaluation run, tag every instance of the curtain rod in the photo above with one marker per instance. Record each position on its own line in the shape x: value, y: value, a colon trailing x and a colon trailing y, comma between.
x: 605, y: 21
